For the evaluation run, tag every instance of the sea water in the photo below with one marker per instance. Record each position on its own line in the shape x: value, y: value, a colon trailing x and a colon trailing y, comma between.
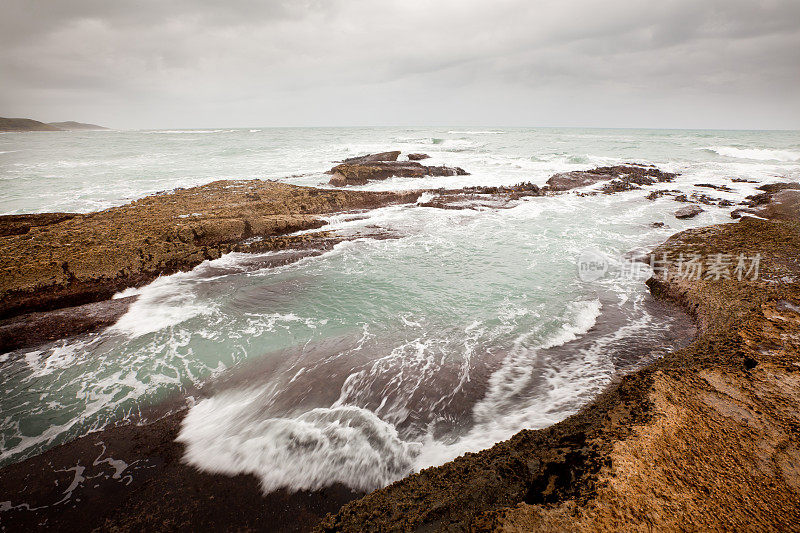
x: 379, y: 357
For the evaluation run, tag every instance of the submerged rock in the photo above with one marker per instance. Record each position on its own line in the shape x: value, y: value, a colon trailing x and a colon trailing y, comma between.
x: 690, y: 211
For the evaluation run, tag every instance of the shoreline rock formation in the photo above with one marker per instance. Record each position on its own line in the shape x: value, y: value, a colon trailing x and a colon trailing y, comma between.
x: 679, y: 444
x: 62, y: 260
x: 363, y: 169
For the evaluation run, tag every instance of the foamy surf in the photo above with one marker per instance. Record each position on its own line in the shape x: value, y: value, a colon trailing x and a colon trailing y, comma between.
x: 349, y: 444
x: 757, y: 154
x: 344, y: 444
x: 428, y: 328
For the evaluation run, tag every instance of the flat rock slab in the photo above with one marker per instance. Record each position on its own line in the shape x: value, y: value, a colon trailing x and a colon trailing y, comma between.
x: 33, y: 329
x: 362, y: 173
x: 371, y: 158
x: 90, y: 257
x: 690, y: 211
x: 629, y: 175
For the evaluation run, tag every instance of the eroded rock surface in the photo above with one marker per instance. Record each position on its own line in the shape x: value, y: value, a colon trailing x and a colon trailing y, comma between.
x: 362, y: 173
x: 678, y: 445
x: 629, y: 176
x: 371, y: 158
x: 68, y: 260
x: 690, y: 211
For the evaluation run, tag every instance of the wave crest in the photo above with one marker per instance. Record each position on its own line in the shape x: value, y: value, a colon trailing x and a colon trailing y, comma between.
x: 344, y: 444
x: 758, y: 154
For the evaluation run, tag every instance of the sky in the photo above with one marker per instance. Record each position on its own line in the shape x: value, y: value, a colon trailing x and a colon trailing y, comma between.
x: 727, y: 64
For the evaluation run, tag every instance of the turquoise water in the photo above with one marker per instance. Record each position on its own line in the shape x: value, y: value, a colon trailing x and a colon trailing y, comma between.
x: 378, y: 357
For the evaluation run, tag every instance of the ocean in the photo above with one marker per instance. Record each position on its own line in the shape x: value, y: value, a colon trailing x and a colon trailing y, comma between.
x: 380, y: 356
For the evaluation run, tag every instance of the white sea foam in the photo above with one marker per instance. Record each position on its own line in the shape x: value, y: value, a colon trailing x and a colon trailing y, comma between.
x: 344, y: 444
x: 348, y: 444
x: 503, y: 411
x: 758, y: 154
x: 166, y: 302
x: 469, y: 132
x: 425, y: 197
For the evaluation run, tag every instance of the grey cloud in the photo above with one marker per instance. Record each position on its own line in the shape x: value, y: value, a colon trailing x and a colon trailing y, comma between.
x: 314, y: 62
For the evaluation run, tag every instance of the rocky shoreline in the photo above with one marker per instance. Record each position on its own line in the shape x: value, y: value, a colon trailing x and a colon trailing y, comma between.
x: 706, y: 438
x: 63, y: 261
x: 679, y: 444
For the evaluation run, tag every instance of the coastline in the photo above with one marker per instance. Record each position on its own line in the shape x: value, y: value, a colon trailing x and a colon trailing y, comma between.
x: 568, y: 473
x: 71, y: 260
x: 679, y: 444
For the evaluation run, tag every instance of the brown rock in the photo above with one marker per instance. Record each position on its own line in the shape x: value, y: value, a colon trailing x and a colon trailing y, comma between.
x: 90, y: 257
x: 783, y: 205
x: 690, y: 211
x: 21, y: 224
x: 481, y: 196
x: 630, y: 174
x: 371, y: 158
x: 417, y: 157
x: 32, y: 329
x: 359, y: 174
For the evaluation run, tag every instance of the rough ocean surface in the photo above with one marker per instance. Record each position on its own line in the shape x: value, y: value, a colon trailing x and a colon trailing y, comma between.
x: 352, y: 337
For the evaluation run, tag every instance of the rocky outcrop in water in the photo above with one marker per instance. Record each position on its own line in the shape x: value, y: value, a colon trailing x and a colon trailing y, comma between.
x: 59, y: 260
x: 479, y: 196
x: 362, y: 173
x: 690, y: 211
x: 418, y: 157
x: 628, y: 176
x: 372, y: 158
x: 704, y: 428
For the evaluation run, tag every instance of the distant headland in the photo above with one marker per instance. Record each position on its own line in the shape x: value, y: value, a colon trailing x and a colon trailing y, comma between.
x: 27, y: 124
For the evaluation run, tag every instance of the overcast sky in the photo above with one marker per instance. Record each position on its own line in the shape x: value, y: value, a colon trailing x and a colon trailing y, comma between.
x: 189, y: 63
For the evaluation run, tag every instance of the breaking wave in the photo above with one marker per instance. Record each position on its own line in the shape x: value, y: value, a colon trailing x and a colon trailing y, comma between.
x: 758, y: 154
x: 343, y: 444
x: 230, y: 432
